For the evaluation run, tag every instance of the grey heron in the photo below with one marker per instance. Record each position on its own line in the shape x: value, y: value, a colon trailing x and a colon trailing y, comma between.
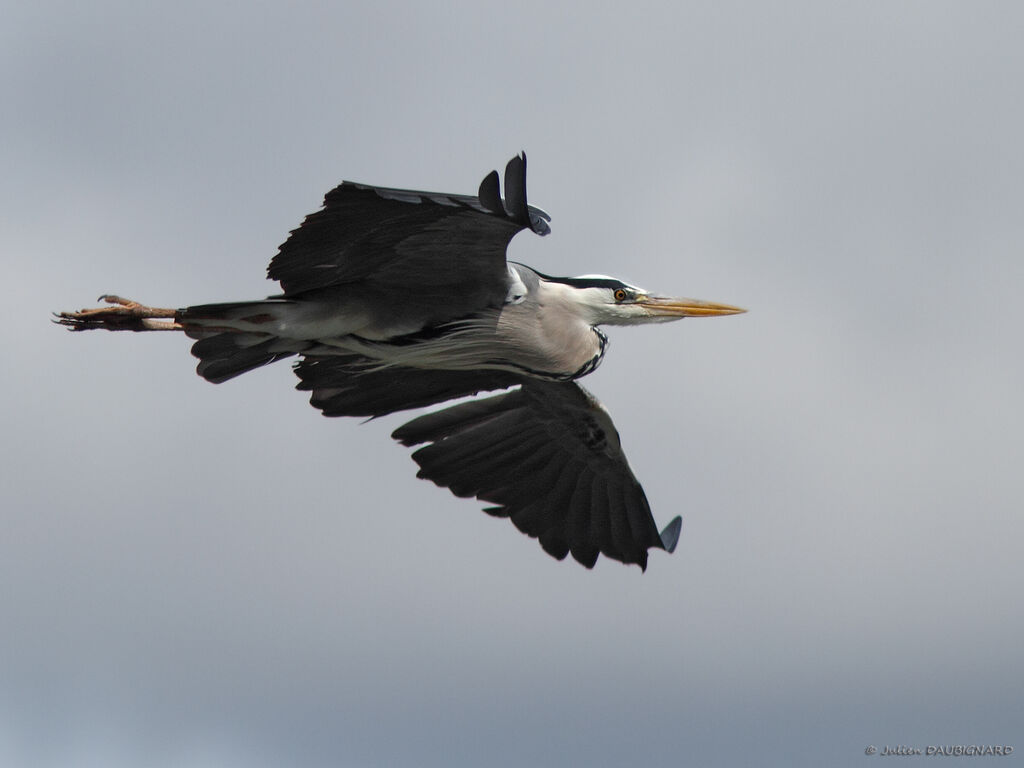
x: 395, y: 299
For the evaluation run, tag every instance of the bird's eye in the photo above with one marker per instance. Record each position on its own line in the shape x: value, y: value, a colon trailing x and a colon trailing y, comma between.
x: 620, y: 294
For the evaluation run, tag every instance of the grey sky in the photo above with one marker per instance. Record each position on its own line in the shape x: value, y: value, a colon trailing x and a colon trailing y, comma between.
x: 218, y: 576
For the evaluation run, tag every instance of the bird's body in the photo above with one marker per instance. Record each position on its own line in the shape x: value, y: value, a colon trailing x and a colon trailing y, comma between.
x: 515, y: 336
x: 396, y: 299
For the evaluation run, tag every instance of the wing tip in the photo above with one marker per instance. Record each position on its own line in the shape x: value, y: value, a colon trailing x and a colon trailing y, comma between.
x: 516, y: 206
x: 489, y: 194
x: 670, y: 534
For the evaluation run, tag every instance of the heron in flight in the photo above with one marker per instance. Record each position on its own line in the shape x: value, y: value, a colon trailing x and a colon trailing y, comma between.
x: 395, y: 299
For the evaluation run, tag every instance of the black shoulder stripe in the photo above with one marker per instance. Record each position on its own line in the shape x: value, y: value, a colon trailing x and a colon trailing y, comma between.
x: 588, y: 282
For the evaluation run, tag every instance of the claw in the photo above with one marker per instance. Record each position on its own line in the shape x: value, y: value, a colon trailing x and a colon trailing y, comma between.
x: 111, y: 298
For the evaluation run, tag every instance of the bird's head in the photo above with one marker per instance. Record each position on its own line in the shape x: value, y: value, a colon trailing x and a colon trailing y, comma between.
x: 606, y: 301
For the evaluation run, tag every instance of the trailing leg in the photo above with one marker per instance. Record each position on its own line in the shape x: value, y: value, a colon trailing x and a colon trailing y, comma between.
x: 125, y: 315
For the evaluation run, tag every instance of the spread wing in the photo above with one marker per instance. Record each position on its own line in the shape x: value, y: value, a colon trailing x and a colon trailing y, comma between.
x: 424, y: 246
x: 548, y: 456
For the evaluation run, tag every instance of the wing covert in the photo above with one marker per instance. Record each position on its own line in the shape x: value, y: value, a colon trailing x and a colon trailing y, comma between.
x: 352, y: 385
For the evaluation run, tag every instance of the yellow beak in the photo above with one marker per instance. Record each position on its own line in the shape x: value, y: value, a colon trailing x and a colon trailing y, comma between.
x: 660, y: 306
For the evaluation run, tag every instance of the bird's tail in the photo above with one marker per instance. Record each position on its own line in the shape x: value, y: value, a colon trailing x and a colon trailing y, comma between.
x: 227, y: 354
x: 235, y: 337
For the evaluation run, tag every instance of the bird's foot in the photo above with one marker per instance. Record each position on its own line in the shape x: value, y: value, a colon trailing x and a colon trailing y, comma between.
x: 125, y: 315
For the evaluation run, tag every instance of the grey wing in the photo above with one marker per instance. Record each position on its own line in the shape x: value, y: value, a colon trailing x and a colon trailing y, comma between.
x: 431, y: 248
x: 548, y: 456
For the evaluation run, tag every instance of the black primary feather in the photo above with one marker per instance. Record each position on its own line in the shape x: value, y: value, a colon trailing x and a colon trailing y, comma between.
x: 548, y: 457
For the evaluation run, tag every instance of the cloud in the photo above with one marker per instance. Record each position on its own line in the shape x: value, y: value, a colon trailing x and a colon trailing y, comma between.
x: 219, y: 576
